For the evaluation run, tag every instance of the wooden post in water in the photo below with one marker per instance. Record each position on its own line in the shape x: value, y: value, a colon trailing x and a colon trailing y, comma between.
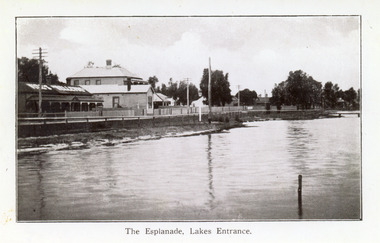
x: 299, y: 183
x: 300, y: 196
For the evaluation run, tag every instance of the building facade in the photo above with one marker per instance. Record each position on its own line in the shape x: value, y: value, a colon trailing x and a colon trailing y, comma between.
x: 124, y: 96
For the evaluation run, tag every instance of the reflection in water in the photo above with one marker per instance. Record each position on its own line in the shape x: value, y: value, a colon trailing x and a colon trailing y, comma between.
x: 209, y: 160
x: 109, y: 168
x: 40, y: 187
x: 245, y: 174
x: 300, y: 139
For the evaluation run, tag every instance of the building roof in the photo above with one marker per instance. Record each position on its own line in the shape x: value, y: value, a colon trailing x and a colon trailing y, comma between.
x: 67, y: 89
x: 52, y: 89
x: 102, y: 72
x: 66, y: 98
x: 162, y: 96
x: 157, y: 98
x: 116, y: 89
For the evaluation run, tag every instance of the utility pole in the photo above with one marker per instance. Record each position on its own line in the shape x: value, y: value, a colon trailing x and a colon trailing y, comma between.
x: 200, y: 104
x: 188, y: 100
x: 209, y: 90
x: 40, y: 52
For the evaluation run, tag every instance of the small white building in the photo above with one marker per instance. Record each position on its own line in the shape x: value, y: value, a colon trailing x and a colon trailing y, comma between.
x: 160, y: 99
x: 199, y: 102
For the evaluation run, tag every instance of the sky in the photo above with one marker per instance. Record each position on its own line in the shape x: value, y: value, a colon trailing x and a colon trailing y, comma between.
x: 256, y: 52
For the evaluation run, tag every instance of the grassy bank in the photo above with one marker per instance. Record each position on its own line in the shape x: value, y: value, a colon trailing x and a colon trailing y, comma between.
x: 285, y: 115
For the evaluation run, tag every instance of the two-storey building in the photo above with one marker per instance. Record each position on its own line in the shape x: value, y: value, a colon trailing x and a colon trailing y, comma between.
x: 118, y: 87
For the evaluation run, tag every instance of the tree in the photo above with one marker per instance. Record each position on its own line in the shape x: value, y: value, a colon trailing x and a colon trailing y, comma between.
x: 350, y: 96
x: 164, y: 89
x: 247, y: 97
x: 172, y: 89
x: 28, y: 71
x: 303, y: 90
x: 279, y: 95
x: 182, y: 92
x: 299, y: 89
x: 331, y: 94
x: 152, y: 81
x: 316, y: 93
x: 220, y: 87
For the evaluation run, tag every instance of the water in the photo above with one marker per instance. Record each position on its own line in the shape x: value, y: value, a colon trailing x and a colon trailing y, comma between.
x: 248, y: 173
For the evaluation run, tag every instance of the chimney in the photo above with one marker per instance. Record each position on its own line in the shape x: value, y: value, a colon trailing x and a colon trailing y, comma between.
x: 109, y: 63
x: 48, y: 79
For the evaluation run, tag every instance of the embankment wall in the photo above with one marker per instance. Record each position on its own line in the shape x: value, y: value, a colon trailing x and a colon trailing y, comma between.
x: 35, y: 130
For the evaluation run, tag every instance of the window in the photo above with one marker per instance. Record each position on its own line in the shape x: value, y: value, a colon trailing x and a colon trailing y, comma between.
x: 76, y: 82
x: 87, y: 82
x: 98, y: 82
x: 149, y: 102
x: 115, y: 102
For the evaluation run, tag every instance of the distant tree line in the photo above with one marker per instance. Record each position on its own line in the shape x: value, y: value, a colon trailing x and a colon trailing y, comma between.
x: 332, y: 93
x: 303, y: 91
x: 220, y: 89
x: 28, y: 71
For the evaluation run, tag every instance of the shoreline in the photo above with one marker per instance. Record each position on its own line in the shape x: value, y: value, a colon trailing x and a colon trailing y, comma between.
x: 125, y: 135
x: 37, y: 145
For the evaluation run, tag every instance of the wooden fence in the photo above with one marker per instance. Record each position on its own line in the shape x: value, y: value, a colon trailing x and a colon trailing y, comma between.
x: 135, y: 112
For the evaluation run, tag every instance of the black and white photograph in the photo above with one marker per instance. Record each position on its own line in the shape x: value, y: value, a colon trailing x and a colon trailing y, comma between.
x: 179, y: 121
x: 228, y: 118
